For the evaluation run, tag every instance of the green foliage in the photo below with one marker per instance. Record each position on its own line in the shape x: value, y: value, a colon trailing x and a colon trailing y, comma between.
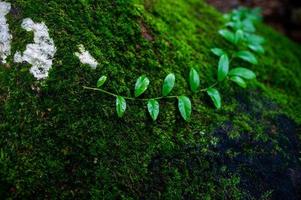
x: 141, y: 85
x: 241, y: 22
x: 184, y: 105
x: 120, y: 106
x: 223, y: 68
x: 256, y: 48
x: 242, y: 36
x: 218, y: 52
x: 215, y: 97
x: 254, y: 39
x: 153, y: 108
x: 239, y: 81
x: 239, y: 36
x: 247, y: 56
x: 194, y: 80
x: 101, y: 81
x: 168, y: 84
x: 228, y: 35
x: 242, y: 72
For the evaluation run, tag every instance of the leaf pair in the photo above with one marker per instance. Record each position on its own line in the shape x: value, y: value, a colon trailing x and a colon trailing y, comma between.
x: 184, y: 106
x: 238, y: 75
x: 234, y: 38
x: 255, y: 43
x: 120, y: 101
x: 152, y: 105
x: 247, y: 56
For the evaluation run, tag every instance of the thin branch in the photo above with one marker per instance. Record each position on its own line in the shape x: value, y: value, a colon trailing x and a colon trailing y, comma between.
x: 128, y: 98
x: 138, y: 99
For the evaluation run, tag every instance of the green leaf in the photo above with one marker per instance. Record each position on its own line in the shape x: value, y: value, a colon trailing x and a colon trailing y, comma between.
x: 239, y: 81
x: 242, y: 72
x: 218, y: 52
x: 234, y: 25
x: 194, y: 80
x: 153, y: 108
x: 239, y: 35
x: 223, y: 67
x: 228, y: 35
x: 168, y: 84
x: 248, y: 25
x: 141, y: 85
x: 120, y: 106
x: 184, y: 105
x: 247, y: 56
x: 254, y: 39
x: 101, y: 81
x: 256, y: 48
x: 215, y: 97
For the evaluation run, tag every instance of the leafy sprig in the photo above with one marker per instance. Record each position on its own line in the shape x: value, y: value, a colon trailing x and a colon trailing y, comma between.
x: 240, y: 31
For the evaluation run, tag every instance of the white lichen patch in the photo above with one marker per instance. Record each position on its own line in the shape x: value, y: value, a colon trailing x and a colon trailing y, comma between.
x: 85, y: 57
x: 5, y: 36
x: 40, y: 53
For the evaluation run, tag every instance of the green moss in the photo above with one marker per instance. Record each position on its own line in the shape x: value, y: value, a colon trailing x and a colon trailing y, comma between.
x: 60, y: 141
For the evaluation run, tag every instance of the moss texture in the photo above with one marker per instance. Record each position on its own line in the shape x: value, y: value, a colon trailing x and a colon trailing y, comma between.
x: 60, y: 141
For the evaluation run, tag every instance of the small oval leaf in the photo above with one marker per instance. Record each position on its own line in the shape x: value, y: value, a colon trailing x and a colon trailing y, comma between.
x: 223, y: 67
x: 228, y: 35
x: 254, y: 39
x: 184, y: 105
x: 256, y: 48
x: 153, y: 108
x: 218, y: 52
x: 120, y: 106
x: 101, y: 81
x: 215, y: 96
x: 248, y: 26
x: 168, y: 84
x: 239, y: 35
x: 141, y: 85
x: 247, y: 56
x: 243, y: 72
x: 239, y: 81
x: 194, y: 80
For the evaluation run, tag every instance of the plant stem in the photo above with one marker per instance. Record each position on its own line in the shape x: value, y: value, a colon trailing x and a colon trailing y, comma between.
x: 205, y: 89
x: 129, y: 98
x: 137, y: 99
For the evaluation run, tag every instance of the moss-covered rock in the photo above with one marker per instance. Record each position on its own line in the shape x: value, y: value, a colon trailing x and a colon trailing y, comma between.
x: 59, y: 141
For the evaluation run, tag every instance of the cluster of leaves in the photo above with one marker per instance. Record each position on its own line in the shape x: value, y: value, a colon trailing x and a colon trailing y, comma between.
x: 153, y: 105
x: 240, y: 31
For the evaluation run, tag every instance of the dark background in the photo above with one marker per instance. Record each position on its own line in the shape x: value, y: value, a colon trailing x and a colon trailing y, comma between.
x: 284, y: 15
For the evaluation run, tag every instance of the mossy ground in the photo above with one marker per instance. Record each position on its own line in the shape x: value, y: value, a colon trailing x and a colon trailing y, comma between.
x: 60, y: 141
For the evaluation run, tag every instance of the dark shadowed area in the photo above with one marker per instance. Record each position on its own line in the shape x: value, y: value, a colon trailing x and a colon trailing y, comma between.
x: 284, y: 15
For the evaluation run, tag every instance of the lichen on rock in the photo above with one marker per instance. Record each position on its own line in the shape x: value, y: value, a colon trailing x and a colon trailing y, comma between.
x: 5, y: 36
x: 85, y: 57
x: 39, y: 54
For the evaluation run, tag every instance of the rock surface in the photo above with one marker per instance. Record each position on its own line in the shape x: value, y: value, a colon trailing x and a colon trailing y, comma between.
x: 59, y: 141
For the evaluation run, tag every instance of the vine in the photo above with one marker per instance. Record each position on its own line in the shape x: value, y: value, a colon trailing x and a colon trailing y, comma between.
x: 240, y: 31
